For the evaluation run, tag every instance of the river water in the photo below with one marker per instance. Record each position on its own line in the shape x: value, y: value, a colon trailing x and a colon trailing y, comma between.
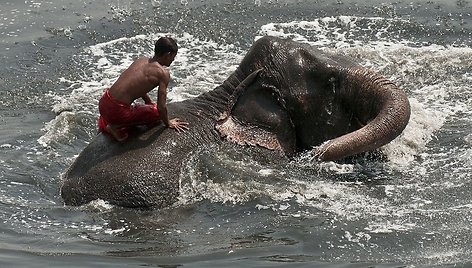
x: 411, y: 209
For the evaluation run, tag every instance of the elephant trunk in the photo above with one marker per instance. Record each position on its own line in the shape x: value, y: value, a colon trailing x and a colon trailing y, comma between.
x: 378, y: 104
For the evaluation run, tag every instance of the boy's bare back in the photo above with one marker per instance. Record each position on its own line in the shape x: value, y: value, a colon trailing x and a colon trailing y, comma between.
x: 142, y: 76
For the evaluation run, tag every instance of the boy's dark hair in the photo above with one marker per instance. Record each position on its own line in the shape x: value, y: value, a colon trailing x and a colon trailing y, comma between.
x: 164, y: 45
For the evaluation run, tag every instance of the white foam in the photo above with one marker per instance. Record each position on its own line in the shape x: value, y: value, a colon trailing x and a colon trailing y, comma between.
x: 194, y: 186
x: 419, y: 132
x: 333, y: 32
x: 99, y: 205
x: 446, y: 256
x: 58, y: 127
x: 266, y: 172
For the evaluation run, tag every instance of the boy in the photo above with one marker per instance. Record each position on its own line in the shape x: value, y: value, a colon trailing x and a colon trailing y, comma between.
x: 117, y: 111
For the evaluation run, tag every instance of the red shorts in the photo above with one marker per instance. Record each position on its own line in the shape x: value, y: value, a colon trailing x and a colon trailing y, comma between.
x: 122, y: 115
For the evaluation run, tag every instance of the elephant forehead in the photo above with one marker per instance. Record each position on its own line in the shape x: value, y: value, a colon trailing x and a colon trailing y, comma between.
x: 304, y: 66
x: 298, y: 59
x: 273, y: 50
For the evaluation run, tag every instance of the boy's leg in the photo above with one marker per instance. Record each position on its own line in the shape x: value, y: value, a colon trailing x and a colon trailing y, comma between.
x: 120, y: 134
x: 145, y: 114
x: 135, y: 115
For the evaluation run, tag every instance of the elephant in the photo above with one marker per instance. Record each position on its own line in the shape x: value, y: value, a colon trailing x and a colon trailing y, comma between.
x: 284, y: 98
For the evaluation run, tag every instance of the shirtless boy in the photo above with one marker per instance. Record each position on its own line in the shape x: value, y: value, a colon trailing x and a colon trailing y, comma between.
x: 117, y: 111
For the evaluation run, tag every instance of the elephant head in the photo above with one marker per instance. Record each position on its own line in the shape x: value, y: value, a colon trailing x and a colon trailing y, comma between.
x: 304, y: 98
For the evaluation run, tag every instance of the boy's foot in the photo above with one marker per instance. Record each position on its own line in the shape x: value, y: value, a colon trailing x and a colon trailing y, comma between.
x: 117, y: 134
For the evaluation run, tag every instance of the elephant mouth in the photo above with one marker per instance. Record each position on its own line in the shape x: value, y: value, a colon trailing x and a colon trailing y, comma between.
x: 233, y: 131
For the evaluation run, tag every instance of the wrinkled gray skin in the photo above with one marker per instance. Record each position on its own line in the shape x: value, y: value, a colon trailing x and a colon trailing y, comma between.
x: 285, y: 96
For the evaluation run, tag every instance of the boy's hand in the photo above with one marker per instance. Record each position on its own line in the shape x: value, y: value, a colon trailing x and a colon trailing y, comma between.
x: 178, y: 124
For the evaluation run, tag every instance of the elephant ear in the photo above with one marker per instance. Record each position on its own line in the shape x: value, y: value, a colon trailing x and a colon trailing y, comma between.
x: 256, y: 116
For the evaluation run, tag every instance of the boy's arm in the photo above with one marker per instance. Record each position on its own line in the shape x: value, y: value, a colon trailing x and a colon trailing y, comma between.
x: 162, y: 102
x: 174, y: 123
